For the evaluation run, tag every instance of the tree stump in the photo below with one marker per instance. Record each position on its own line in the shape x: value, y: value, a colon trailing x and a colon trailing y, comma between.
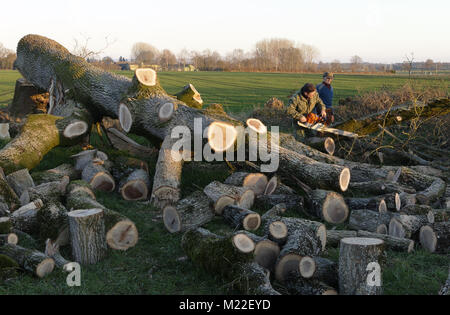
x: 87, y: 235
x: 357, y: 259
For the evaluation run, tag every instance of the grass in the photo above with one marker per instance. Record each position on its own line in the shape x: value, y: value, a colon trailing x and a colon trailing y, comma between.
x: 157, y: 265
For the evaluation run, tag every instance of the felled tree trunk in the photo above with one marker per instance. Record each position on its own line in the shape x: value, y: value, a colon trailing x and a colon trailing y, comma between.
x: 327, y: 205
x: 291, y: 202
x: 30, y: 260
x: 334, y: 237
x: 123, y: 143
x: 10, y: 238
x: 190, y: 213
x: 391, y: 242
x: 52, y: 251
x: 437, y: 216
x: 223, y: 195
x: 98, y: 177
x: 239, y: 217
x: 277, y: 232
x: 255, y: 181
x: 25, y: 218
x: 135, y: 186
x: 369, y: 124
x: 323, y: 144
x: 322, y: 270
x: 9, y: 201
x: 20, y: 181
x: 406, y: 226
x: 25, y: 152
x: 87, y: 235
x: 371, y: 221
x: 55, y: 174
x: 121, y: 232
x: 355, y: 257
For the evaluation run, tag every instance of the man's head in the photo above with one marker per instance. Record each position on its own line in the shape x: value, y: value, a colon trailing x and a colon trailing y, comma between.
x: 309, y: 90
x: 328, y: 77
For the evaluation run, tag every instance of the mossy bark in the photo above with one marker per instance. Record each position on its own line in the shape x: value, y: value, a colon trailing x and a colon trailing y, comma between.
x: 32, y: 261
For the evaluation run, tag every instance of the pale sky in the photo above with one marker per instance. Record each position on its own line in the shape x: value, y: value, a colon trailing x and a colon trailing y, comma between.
x: 376, y: 30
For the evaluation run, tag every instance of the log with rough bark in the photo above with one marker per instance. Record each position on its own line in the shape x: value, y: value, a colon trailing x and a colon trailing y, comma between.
x: 30, y: 260
x: 25, y: 152
x: 445, y: 290
x: 239, y: 217
x: 322, y: 270
x: 25, y: 218
x: 190, y: 96
x: 369, y: 124
x: 49, y: 192
x: 84, y: 158
x: 367, y: 220
x: 51, y: 220
x: 135, y: 186
x: 10, y: 238
x: 190, y: 213
x: 393, y: 202
x: 375, y: 188
x: 302, y: 286
x: 98, y: 177
x: 327, y: 205
x: 323, y: 144
x: 5, y: 225
x: 9, y: 201
x: 20, y: 181
x: 87, y: 235
x: 391, y: 242
x: 223, y: 195
x: 334, y: 237
x: 415, y: 210
x: 218, y: 256
x: 255, y: 181
x: 55, y: 174
x: 291, y: 202
x: 265, y: 251
x: 25, y: 240
x: 121, y: 232
x: 52, y: 251
x: 277, y: 211
x: 277, y: 232
x: 357, y: 259
x: 437, y: 216
x: 436, y: 237
x: 407, y: 226
x: 123, y: 143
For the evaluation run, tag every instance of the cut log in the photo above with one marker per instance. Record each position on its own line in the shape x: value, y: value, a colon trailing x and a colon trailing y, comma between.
x: 98, y: 177
x: 369, y: 124
x: 84, y: 158
x: 257, y: 126
x: 356, y: 257
x: 167, y: 179
x: 239, y: 217
x: 322, y: 270
x: 51, y: 220
x: 4, y: 132
x: 146, y: 76
x: 122, y: 233
x: 276, y: 211
x: 327, y: 205
x: 123, y: 143
x: 374, y: 188
x: 135, y: 186
x: 432, y: 193
x: 190, y: 213
x: 393, y: 202
x: 437, y: 216
x: 292, y: 202
x: 334, y: 237
x: 87, y: 235
x: 190, y: 96
x: 52, y: 251
x: 301, y: 286
x: 436, y: 237
x: 25, y: 240
x: 166, y: 112
x: 391, y: 242
x: 256, y: 181
x: 55, y: 174
x: 30, y: 260
x: 245, y: 241
x: 318, y: 229
x: 25, y: 218
x: 5, y: 225
x: 223, y: 195
x: 277, y: 232
x: 23, y: 103
x: 10, y: 238
x: 20, y: 181
x: 253, y: 279
x: 9, y: 201
x: 367, y: 220
x: 49, y: 192
x: 406, y: 226
x: 272, y: 185
x: 323, y: 144
x: 415, y: 210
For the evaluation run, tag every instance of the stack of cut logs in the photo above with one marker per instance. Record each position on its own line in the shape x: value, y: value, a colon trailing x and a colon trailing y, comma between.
x: 288, y: 252
x: 45, y: 211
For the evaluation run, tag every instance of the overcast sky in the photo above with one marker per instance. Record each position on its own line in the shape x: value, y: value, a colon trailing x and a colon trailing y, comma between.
x: 376, y: 30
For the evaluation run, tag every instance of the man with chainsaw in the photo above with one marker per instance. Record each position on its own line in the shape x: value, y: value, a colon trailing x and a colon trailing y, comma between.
x: 303, y: 107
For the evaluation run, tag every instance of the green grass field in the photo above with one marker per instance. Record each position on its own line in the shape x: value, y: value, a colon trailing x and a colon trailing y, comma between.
x: 156, y: 265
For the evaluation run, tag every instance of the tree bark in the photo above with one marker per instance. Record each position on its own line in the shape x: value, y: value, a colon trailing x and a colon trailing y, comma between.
x: 223, y: 195
x: 98, y: 177
x: 87, y: 235
x: 239, y: 217
x: 367, y: 220
x: 136, y: 186
x: 190, y: 213
x: 190, y: 96
x: 355, y: 256
x: 406, y: 226
x: 30, y: 260
x: 393, y: 243
x: 55, y: 174
x: 334, y: 237
x: 20, y: 181
x: 436, y: 237
x: 328, y: 206
x: 256, y: 181
x: 291, y: 202
x: 5, y: 225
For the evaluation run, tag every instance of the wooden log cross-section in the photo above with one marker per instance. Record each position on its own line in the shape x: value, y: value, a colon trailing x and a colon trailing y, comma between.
x: 223, y: 195
x: 436, y: 237
x: 98, y: 177
x: 32, y: 261
x: 135, y: 186
x: 239, y: 217
x: 256, y: 181
x: 327, y: 205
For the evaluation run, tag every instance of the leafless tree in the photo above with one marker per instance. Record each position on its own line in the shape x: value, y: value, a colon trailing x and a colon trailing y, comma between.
x: 356, y: 63
x: 81, y: 47
x: 7, y: 57
x: 408, y: 64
